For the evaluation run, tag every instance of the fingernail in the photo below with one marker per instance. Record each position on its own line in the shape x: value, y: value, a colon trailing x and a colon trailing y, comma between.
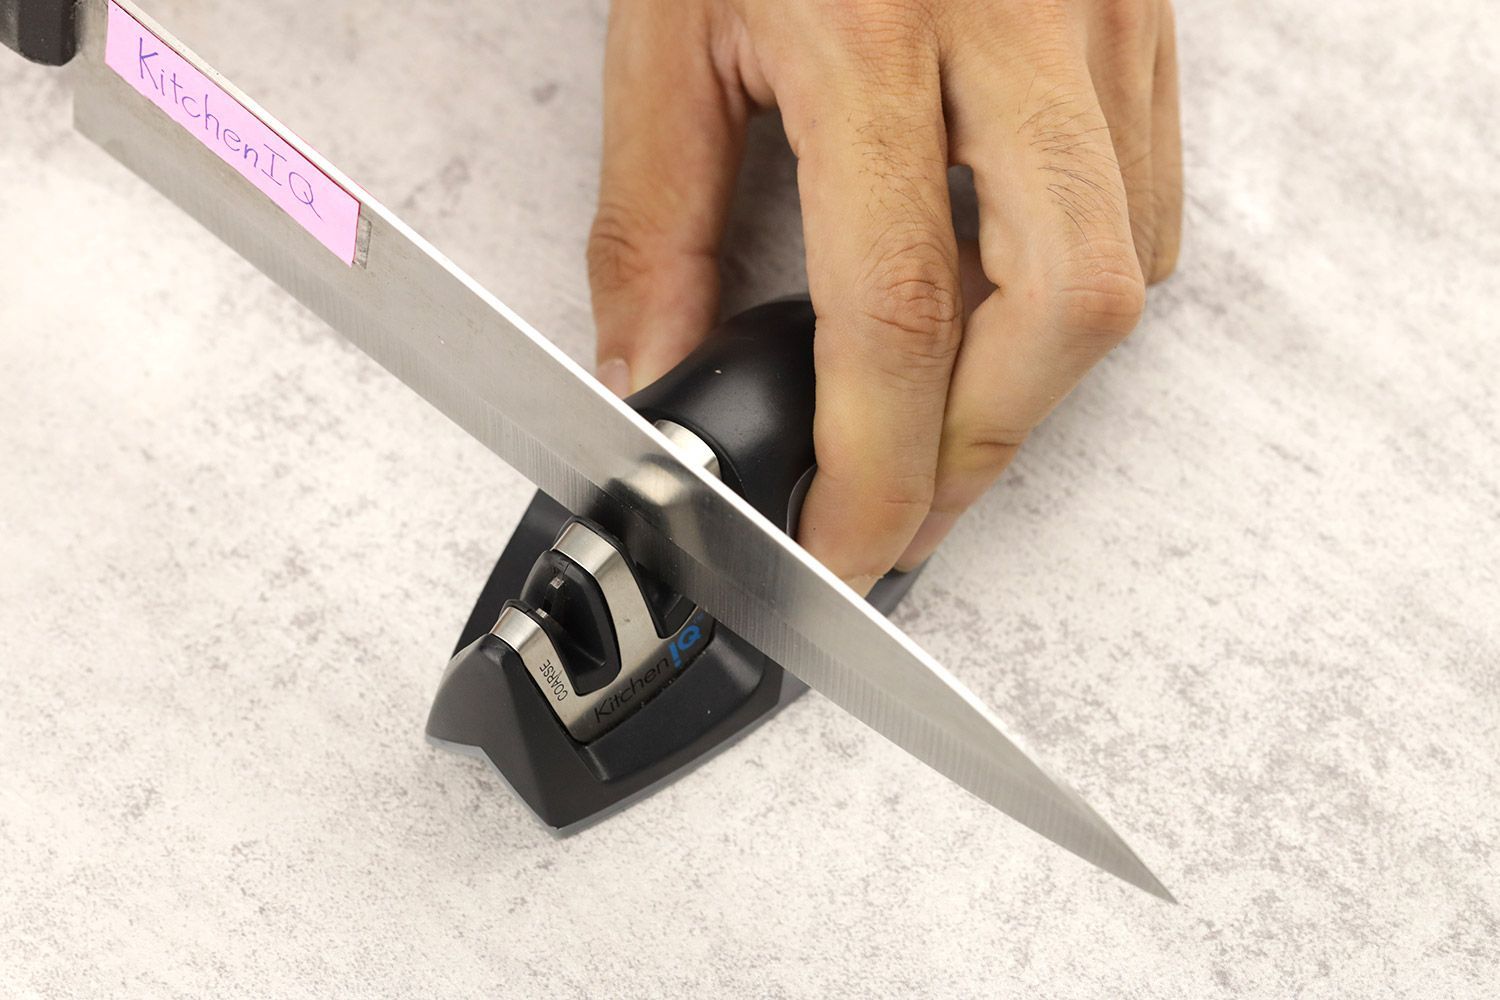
x: 615, y: 374
x: 933, y: 530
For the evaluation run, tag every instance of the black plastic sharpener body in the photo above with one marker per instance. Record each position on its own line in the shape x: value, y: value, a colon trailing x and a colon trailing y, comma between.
x: 747, y: 394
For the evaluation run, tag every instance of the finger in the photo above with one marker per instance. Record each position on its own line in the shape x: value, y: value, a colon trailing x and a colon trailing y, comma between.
x: 1056, y: 241
x: 1122, y: 52
x: 673, y: 137
x: 1166, y: 148
x: 977, y: 289
x: 883, y: 274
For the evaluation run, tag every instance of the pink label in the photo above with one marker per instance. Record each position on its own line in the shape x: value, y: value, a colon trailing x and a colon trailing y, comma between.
x: 235, y: 135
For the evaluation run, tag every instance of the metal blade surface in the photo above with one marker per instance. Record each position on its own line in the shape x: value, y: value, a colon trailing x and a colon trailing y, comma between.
x: 468, y: 354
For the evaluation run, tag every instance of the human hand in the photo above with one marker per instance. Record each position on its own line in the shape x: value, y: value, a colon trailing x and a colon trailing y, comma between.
x: 1066, y: 111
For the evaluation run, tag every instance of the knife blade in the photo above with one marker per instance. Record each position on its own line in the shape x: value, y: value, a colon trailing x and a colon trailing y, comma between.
x: 471, y: 356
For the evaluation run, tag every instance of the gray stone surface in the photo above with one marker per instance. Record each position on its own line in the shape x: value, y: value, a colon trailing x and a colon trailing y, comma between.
x: 1241, y: 589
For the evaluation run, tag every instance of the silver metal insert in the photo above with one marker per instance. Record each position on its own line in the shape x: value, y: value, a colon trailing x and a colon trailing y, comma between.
x: 647, y: 660
x: 587, y: 716
x: 634, y: 629
x: 695, y: 451
x: 520, y: 632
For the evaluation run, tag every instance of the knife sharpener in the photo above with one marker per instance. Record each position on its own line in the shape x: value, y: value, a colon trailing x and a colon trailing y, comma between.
x: 584, y: 681
x: 595, y: 682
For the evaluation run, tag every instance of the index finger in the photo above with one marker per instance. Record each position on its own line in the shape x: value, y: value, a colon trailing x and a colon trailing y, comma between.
x: 882, y: 267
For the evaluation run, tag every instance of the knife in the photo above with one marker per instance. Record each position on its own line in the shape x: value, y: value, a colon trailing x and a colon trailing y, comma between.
x: 172, y: 119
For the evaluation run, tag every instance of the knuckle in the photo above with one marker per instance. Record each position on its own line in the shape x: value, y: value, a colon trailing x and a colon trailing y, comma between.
x: 887, y: 506
x: 983, y: 449
x: 974, y: 451
x: 1102, y: 298
x: 897, y: 504
x: 617, y: 256
x: 908, y: 494
x: 913, y: 302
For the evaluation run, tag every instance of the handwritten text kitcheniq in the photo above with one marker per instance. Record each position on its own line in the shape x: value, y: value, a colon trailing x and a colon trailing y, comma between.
x: 236, y: 135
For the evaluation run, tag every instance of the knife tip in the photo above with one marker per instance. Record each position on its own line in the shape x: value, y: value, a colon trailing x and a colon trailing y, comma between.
x: 1113, y: 854
x: 1153, y: 885
x: 1130, y: 868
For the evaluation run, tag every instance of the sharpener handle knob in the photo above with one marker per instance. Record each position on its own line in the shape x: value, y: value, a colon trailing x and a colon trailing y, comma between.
x: 747, y: 392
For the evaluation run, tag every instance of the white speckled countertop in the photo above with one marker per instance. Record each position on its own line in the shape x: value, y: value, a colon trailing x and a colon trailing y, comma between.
x: 1243, y: 589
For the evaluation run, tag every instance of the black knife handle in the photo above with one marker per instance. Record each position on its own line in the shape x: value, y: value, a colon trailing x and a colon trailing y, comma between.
x: 747, y: 392
x: 41, y: 30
